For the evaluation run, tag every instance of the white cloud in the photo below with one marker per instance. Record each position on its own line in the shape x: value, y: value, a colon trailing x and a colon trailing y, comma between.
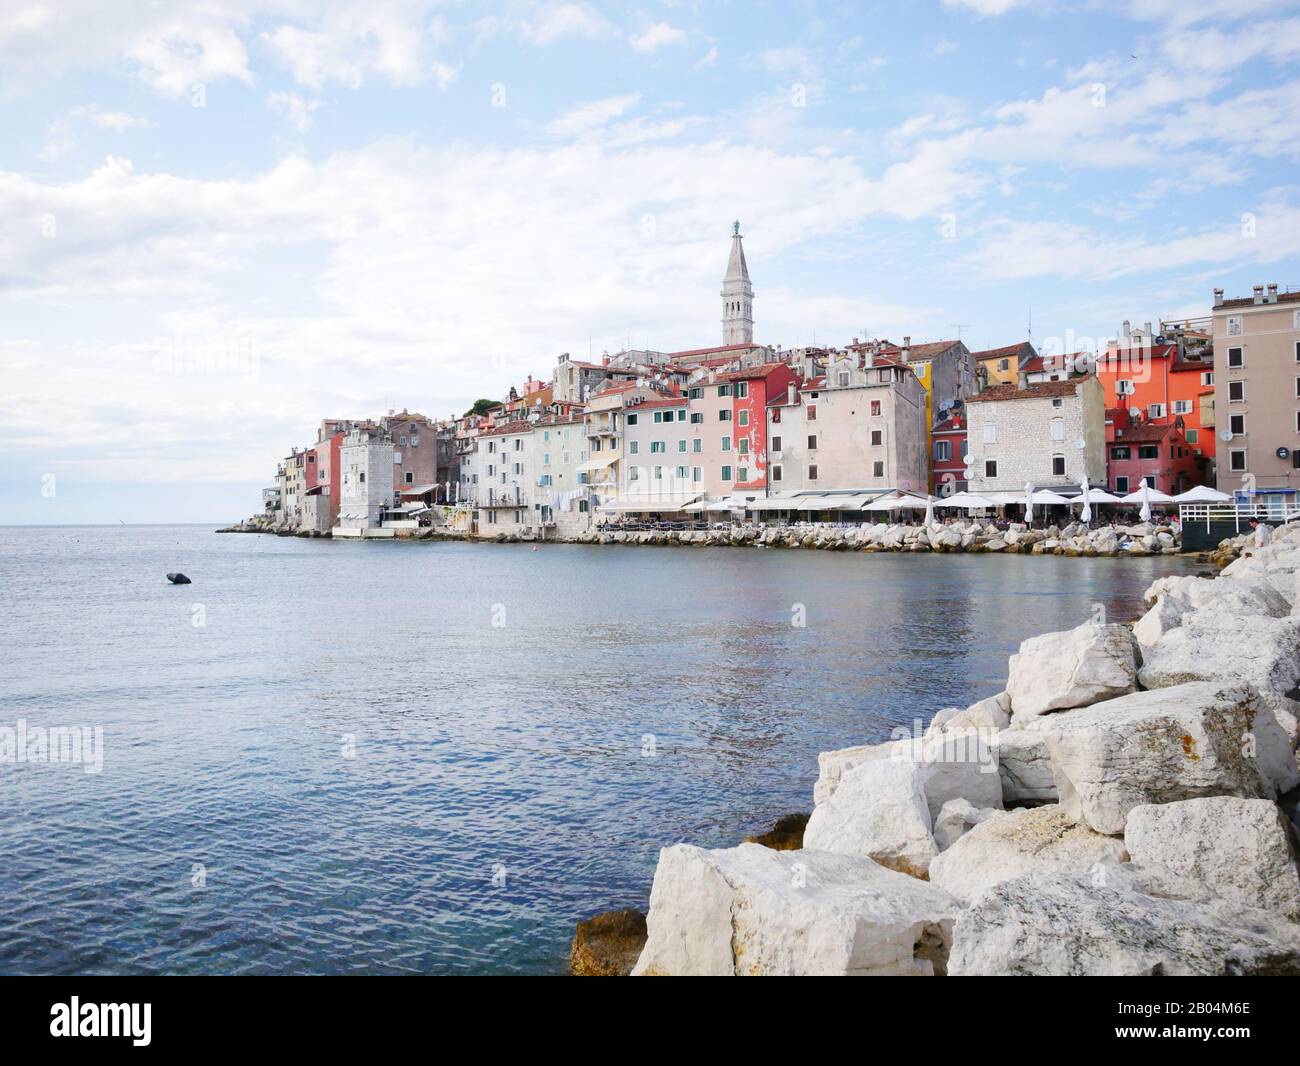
x: 985, y: 8
x: 656, y: 36
x: 708, y: 59
x: 61, y: 136
x: 944, y: 48
x: 293, y: 108
x: 592, y: 115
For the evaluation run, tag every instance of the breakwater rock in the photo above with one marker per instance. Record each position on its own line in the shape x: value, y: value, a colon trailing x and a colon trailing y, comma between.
x: 1123, y: 807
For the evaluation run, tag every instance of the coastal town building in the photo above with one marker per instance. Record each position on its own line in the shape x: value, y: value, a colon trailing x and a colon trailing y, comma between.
x: 948, y: 453
x: 1000, y: 366
x: 1155, y: 452
x: 365, y: 481
x: 1050, y: 434
x: 1160, y: 378
x: 1257, y: 395
x: 945, y: 371
x: 860, y: 426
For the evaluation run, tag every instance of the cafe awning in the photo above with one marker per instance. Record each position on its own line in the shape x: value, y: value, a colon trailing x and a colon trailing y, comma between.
x: 649, y: 502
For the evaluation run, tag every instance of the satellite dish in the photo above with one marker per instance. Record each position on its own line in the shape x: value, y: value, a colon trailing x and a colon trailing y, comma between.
x: 1225, y: 434
x: 1283, y: 452
x: 1080, y: 444
x: 1135, y: 412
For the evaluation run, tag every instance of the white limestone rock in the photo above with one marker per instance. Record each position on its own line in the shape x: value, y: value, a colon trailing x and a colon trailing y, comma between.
x: 753, y: 911
x: 957, y: 818
x: 1220, y: 847
x: 1209, y: 645
x: 1087, y: 925
x: 992, y: 714
x: 1025, y: 766
x: 879, y: 812
x: 833, y: 765
x: 1074, y: 668
x: 1199, y: 739
x: 1041, y: 840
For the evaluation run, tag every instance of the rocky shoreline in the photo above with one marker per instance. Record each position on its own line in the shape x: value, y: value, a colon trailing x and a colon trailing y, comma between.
x: 1126, y: 805
x: 969, y: 536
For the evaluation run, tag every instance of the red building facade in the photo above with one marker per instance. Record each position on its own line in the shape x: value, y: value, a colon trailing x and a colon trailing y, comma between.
x: 751, y: 391
x: 1159, y: 454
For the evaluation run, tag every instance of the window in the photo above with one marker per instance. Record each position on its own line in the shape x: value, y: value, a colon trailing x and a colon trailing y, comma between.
x: 681, y: 414
x: 361, y: 478
x: 397, y: 458
x: 681, y: 445
x: 942, y: 450
x: 877, y: 437
x: 776, y: 441
x: 410, y: 478
x: 1058, y: 465
x: 1236, y: 460
x: 742, y: 390
x: 875, y: 407
x: 724, y: 390
x: 1234, y: 325
x: 726, y: 444
x: 1297, y: 393
x: 697, y: 474
x: 990, y: 432
x: 990, y: 468
x: 1182, y: 407
x: 776, y: 472
x: 742, y: 418
x: 812, y: 442
x: 726, y: 473
x: 877, y: 469
x: 1297, y: 343
x: 633, y: 447
x: 1236, y: 391
x: 1156, y: 410
x: 1120, y: 452
x: 697, y: 418
x: 1121, y: 485
x: 1124, y: 387
x: 582, y: 506
x: 724, y: 415
x: 631, y: 420
x: 681, y: 473
x: 743, y: 445
x: 1057, y: 429
x: 1207, y: 379
x: 1004, y: 364
x: 742, y: 473
x: 696, y: 393
x: 1235, y: 357
x: 844, y: 379
x: 659, y: 415
x: 659, y: 473
x: 634, y: 473
x: 519, y: 468
x: 1237, y: 424
x: 1148, y: 451
x: 812, y: 473
x: 697, y: 445
x: 776, y: 414
x: 812, y: 412
x: 657, y: 446
x: 1057, y: 401
x: 1192, y: 435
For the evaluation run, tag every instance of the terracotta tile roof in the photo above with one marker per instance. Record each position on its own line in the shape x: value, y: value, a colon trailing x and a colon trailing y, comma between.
x: 665, y: 401
x: 1249, y: 301
x: 1036, y: 391
x: 719, y: 348
x: 510, y: 427
x: 1004, y: 352
x: 1145, y: 433
x: 760, y: 371
x: 918, y: 352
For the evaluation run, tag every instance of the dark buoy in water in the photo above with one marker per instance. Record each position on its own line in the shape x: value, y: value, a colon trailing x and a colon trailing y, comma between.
x: 179, y: 579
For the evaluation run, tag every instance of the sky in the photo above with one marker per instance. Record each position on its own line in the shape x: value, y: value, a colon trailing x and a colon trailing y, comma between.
x: 224, y: 220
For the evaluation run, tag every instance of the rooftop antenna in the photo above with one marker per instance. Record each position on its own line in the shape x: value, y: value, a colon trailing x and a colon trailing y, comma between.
x: 959, y: 326
x: 1030, y: 337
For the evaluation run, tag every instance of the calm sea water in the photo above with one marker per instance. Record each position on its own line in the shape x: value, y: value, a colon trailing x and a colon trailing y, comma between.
x: 348, y: 767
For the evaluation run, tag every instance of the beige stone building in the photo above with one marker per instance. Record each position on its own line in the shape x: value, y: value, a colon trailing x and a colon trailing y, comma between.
x: 1051, y: 434
x: 1257, y: 395
x: 858, y: 427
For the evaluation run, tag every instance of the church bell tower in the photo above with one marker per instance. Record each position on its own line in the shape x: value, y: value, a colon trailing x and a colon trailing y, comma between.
x: 737, y: 295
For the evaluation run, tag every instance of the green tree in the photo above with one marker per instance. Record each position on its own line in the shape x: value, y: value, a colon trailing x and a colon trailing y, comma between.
x: 481, y: 407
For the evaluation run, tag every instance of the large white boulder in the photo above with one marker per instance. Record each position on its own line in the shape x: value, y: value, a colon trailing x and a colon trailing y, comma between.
x: 1084, y: 924
x: 958, y: 818
x: 991, y: 714
x: 1209, y: 645
x: 1074, y: 668
x: 1025, y: 765
x: 1041, y: 840
x: 750, y: 910
x: 879, y: 812
x: 1203, y: 738
x: 1235, y: 850
x: 1177, y: 597
x: 833, y: 765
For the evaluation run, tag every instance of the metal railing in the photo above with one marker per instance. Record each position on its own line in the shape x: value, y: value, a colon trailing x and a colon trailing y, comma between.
x: 1238, y: 514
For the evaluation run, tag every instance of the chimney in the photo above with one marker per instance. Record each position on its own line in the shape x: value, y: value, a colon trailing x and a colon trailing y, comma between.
x: 1258, y: 290
x: 794, y: 392
x: 1272, y: 293
x: 1146, y: 331
x: 1127, y: 330
x: 907, y: 348
x: 1022, y: 380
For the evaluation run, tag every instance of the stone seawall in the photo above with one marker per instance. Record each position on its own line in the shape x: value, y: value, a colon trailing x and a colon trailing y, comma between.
x: 1124, y: 806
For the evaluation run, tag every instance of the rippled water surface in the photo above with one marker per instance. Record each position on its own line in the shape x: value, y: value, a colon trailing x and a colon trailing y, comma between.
x: 349, y: 767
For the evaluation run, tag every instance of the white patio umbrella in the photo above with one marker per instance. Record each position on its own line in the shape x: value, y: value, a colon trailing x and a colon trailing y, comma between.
x: 929, y: 512
x: 1202, y: 494
x: 1047, y: 496
x: 1101, y: 496
x: 1145, y: 513
x: 967, y: 500
x: 1029, y: 501
x: 1085, y: 516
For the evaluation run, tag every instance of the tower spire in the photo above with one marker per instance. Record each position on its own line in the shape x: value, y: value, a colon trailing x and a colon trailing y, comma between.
x: 737, y: 295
